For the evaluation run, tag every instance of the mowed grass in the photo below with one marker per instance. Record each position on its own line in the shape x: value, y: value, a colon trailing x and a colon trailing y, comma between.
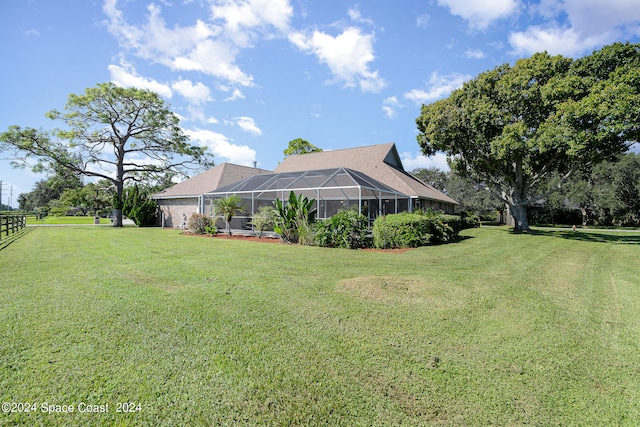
x: 58, y: 220
x: 498, y: 329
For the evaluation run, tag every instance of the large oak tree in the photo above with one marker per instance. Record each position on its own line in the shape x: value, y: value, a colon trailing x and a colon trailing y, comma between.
x: 118, y: 134
x: 514, y: 127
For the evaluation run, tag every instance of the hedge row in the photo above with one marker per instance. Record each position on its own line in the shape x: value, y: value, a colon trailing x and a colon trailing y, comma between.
x: 410, y: 230
x: 348, y: 229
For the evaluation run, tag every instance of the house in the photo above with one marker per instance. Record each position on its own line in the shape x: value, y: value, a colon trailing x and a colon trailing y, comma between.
x: 181, y: 200
x: 380, y: 162
x: 370, y: 179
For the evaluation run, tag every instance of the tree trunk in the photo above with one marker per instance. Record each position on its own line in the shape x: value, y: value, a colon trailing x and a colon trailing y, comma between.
x: 519, y: 214
x: 585, y: 215
x: 118, y: 203
x: 119, y: 183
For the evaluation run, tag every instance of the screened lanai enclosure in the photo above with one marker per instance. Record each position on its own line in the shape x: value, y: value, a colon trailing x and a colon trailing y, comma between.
x: 333, y: 190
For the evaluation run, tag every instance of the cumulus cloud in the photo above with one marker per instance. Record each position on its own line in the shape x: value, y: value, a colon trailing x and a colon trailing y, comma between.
x: 347, y: 55
x: 616, y: 20
x: 195, y: 93
x: 480, y: 14
x: 412, y: 161
x: 209, y: 47
x: 439, y: 87
x: 555, y: 40
x: 125, y: 75
x: 248, y: 124
x: 222, y: 148
x: 245, y: 19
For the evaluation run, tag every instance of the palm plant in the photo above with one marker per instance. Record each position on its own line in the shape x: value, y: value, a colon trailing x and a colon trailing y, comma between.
x: 227, y: 208
x: 294, y: 218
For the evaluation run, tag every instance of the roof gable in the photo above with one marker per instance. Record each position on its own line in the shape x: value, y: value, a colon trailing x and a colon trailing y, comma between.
x: 358, y: 158
x: 210, y: 180
x: 381, y: 162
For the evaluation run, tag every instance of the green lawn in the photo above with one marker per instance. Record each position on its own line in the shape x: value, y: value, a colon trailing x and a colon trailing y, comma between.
x: 499, y: 329
x: 58, y: 220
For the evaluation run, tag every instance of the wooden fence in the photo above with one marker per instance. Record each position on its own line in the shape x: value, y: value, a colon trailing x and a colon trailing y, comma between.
x: 11, y: 227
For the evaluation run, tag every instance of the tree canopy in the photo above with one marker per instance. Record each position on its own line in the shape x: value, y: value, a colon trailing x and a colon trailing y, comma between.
x: 114, y: 133
x: 300, y: 146
x: 514, y: 127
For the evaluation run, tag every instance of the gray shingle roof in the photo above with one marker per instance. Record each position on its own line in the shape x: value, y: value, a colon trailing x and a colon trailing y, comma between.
x: 216, y: 177
x: 381, y: 162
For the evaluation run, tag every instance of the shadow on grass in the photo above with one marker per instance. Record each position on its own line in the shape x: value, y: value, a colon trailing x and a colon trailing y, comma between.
x: 591, y: 236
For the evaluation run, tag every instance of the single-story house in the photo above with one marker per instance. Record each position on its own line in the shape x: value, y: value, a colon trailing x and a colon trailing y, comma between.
x: 370, y: 179
x: 178, y: 202
x: 380, y: 162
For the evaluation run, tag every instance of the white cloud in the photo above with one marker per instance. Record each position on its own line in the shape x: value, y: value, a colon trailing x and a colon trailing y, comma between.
x: 422, y: 21
x: 215, y: 58
x: 347, y: 55
x: 564, y: 41
x: 200, y: 47
x: 412, y: 161
x: 615, y: 20
x: 356, y: 16
x: 125, y: 75
x: 481, y: 14
x: 248, y: 124
x: 236, y: 94
x: 609, y: 15
x: 390, y: 106
x: 439, y: 87
x: 474, y: 54
x: 196, y: 93
x: 222, y: 148
x: 32, y: 33
x: 243, y: 18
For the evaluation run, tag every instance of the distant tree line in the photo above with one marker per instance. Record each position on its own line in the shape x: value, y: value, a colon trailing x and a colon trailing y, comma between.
x: 607, y: 194
x: 66, y: 194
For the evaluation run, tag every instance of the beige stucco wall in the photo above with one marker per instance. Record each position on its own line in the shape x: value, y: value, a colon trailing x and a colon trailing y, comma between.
x: 171, y: 210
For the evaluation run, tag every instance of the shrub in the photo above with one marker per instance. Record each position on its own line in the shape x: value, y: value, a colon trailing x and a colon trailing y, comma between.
x: 346, y: 229
x: 263, y: 220
x: 470, y: 220
x: 403, y: 230
x: 199, y: 223
x: 410, y: 230
x: 440, y: 231
x: 138, y: 206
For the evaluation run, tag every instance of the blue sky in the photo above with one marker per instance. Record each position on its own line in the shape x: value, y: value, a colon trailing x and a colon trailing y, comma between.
x: 248, y: 76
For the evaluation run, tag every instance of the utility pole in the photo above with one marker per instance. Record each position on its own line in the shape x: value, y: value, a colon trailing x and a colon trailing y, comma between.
x: 2, y: 185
